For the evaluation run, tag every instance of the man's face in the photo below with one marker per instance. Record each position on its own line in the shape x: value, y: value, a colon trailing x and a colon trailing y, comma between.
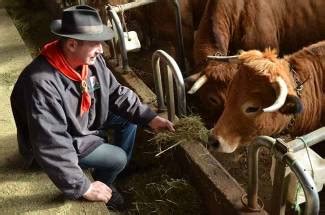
x: 84, y: 52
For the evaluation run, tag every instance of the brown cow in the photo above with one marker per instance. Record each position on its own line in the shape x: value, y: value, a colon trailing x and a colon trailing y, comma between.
x: 228, y: 26
x: 265, y: 97
x: 158, y: 23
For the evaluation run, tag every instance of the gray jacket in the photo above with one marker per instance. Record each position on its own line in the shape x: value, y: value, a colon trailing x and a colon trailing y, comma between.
x: 46, y: 107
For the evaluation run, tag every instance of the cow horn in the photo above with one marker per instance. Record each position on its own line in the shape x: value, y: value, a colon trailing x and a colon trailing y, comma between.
x: 193, y: 78
x: 279, y: 102
x: 233, y: 58
x: 199, y: 83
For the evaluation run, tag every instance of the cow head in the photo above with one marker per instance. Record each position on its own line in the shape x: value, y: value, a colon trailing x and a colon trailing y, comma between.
x: 210, y: 85
x: 259, y: 101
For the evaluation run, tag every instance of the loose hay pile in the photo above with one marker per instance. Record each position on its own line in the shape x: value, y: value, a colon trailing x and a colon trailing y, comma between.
x: 157, y: 192
x: 187, y: 129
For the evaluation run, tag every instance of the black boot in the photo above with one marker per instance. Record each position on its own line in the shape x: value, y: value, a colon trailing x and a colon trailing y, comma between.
x: 116, y: 203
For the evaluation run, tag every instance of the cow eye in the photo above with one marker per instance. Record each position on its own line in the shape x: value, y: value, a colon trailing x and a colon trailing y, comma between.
x: 214, y: 101
x: 252, y: 109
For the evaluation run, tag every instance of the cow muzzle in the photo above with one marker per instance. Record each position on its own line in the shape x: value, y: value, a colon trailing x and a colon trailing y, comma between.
x: 218, y: 144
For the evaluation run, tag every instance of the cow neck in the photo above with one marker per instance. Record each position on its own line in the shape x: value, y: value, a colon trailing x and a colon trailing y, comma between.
x: 299, y: 88
x: 299, y: 84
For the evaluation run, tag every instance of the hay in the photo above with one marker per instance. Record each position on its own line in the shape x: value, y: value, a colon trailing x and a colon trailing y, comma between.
x: 187, y: 129
x: 157, y: 192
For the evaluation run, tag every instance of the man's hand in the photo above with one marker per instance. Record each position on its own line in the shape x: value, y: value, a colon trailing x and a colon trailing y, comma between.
x: 98, y: 192
x: 159, y: 123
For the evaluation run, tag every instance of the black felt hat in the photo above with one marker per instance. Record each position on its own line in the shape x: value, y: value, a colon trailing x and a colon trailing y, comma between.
x: 83, y: 23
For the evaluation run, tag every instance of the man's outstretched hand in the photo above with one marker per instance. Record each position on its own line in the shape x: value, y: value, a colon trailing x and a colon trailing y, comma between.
x: 158, y: 123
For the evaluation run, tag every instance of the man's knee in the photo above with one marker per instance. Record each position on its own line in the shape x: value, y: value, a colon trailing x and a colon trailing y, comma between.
x: 132, y: 126
x: 119, y: 160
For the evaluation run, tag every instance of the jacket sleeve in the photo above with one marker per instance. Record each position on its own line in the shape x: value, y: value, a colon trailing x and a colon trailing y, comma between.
x: 51, y: 143
x: 126, y: 103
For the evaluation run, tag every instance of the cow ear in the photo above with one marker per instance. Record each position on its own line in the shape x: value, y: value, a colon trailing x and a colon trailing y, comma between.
x: 292, y: 105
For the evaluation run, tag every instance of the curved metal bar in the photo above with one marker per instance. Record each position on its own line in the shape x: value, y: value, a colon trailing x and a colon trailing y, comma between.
x: 118, y: 26
x: 253, y: 150
x: 158, y: 84
x: 307, y: 183
x: 305, y: 180
x: 177, y: 75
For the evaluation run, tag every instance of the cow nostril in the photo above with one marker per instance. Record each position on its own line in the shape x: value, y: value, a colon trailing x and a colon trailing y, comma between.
x: 213, y: 142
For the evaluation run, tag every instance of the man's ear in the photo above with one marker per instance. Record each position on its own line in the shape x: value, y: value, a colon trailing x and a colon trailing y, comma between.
x: 71, y: 44
x: 292, y: 105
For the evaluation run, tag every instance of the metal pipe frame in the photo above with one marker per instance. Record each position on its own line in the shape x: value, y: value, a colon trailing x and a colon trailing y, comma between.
x: 309, y: 139
x: 172, y: 68
x: 132, y: 5
x: 113, y: 10
x: 307, y: 183
x: 180, y: 42
x: 253, y: 152
x: 169, y: 86
x: 284, y: 156
x: 119, y: 29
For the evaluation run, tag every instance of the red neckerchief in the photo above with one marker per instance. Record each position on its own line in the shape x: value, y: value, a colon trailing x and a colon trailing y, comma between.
x: 55, y: 57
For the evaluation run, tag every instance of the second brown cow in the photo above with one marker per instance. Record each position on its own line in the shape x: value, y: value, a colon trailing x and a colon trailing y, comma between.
x: 266, y: 97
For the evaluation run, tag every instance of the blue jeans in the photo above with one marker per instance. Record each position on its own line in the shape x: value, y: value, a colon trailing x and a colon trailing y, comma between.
x: 108, y: 160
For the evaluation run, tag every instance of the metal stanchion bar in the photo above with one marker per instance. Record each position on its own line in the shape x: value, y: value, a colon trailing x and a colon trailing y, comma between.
x: 180, y: 41
x: 112, y: 10
x: 177, y: 75
x: 278, y: 200
x: 253, y: 149
x: 169, y: 86
x: 310, y: 139
x: 307, y: 183
x: 158, y: 84
x: 118, y: 26
x: 131, y: 5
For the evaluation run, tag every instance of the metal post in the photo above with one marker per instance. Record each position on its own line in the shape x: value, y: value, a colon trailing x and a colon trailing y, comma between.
x: 158, y: 84
x: 278, y: 191
x: 283, y: 154
x: 307, y: 183
x: 118, y: 27
x: 253, y: 149
x: 176, y: 74
x: 169, y: 86
x: 180, y: 41
x: 113, y: 10
x: 131, y: 5
x: 310, y: 139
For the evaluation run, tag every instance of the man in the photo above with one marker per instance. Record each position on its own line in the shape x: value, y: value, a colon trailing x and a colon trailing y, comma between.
x: 65, y: 100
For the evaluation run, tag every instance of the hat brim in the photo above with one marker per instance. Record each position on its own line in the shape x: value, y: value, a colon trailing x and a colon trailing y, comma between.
x: 106, y: 34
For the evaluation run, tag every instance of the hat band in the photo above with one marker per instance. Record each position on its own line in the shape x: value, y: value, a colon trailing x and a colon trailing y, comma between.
x: 91, y: 29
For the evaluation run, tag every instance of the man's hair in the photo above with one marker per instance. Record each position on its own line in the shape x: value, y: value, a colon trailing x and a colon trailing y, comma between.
x: 63, y: 40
